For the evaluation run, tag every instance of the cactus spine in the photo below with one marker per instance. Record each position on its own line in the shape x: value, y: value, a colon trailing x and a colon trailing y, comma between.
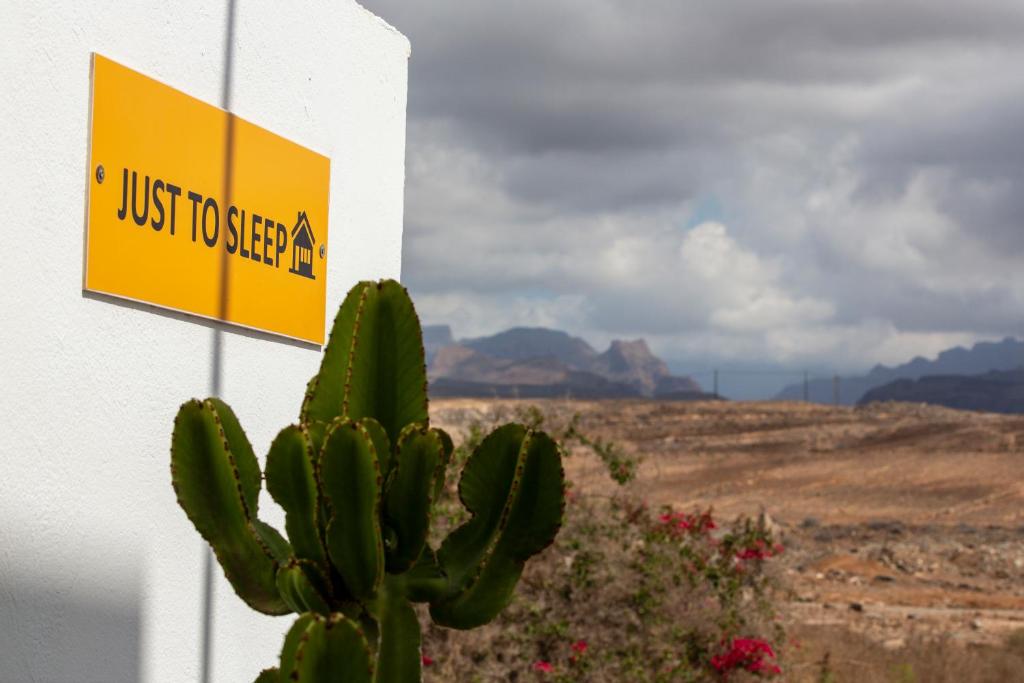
x: 356, y: 478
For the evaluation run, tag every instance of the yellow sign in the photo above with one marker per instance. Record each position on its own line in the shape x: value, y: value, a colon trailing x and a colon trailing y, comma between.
x: 197, y: 210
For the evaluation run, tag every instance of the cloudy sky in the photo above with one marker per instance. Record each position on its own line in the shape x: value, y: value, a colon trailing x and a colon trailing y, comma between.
x: 796, y: 182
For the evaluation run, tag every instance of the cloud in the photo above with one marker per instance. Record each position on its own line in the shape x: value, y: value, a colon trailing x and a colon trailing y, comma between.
x: 840, y: 181
x: 743, y: 289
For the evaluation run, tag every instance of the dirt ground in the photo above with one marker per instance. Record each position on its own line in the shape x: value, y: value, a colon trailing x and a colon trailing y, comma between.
x: 900, y: 521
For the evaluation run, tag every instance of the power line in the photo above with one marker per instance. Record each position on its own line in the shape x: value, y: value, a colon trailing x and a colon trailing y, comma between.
x: 736, y: 371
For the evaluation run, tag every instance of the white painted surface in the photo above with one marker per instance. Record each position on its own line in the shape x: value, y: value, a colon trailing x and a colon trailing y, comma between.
x: 100, y: 571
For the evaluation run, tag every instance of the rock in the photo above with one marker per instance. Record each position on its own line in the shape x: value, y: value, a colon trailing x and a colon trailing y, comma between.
x: 766, y: 522
x: 894, y: 644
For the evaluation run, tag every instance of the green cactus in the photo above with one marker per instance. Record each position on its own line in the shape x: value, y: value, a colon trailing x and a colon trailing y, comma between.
x: 356, y: 478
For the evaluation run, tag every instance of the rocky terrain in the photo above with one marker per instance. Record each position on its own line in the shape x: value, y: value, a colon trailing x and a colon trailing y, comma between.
x: 902, y: 523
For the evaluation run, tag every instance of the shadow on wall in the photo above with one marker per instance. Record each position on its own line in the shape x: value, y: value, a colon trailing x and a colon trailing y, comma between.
x: 54, y: 634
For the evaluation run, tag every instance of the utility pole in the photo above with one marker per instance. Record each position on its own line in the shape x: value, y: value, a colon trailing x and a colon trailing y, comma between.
x: 806, y: 387
x: 716, y: 382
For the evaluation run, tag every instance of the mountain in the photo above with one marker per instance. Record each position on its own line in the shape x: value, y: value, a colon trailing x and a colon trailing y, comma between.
x: 632, y: 363
x: 521, y: 343
x: 536, y: 362
x: 459, y: 370
x: 983, y: 357
x: 464, y: 364
x: 436, y: 337
x: 998, y: 391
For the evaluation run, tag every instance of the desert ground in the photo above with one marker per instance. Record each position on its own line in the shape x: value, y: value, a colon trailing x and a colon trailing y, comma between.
x: 902, y: 523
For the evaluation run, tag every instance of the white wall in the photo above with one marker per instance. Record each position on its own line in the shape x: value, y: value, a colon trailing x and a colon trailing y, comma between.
x: 100, y: 571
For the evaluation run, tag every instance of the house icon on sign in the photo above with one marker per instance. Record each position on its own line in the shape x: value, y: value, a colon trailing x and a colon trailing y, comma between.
x: 302, y: 247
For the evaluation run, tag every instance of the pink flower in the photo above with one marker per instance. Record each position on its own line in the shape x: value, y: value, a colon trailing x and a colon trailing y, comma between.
x: 677, y: 523
x: 761, y: 666
x: 752, y: 646
x: 752, y: 554
x: 542, y: 666
x: 427, y: 661
x: 747, y: 653
x: 759, y: 551
x: 580, y: 646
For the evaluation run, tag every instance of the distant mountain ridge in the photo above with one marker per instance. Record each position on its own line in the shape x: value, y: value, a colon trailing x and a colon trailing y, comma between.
x: 538, y: 362
x: 524, y: 343
x: 983, y: 357
x: 998, y: 391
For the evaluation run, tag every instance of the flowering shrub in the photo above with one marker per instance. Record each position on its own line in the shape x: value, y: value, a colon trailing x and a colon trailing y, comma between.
x: 759, y: 551
x: 749, y: 654
x: 628, y: 594
x: 676, y: 523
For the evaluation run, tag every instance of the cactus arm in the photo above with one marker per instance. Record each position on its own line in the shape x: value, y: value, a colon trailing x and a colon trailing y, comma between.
x: 486, y: 565
x: 317, y: 432
x: 291, y: 482
x: 483, y: 489
x: 398, y: 659
x: 351, y: 484
x: 381, y: 443
x: 269, y: 676
x: 483, y: 599
x: 408, y: 497
x: 387, y: 377
x: 325, y: 393
x: 298, y: 591
x: 373, y: 364
x: 212, y: 491
x: 291, y: 646
x: 241, y: 450
x: 320, y: 581
x: 425, y: 581
x: 539, y: 505
x: 449, y: 447
x: 271, y: 540
x: 333, y: 649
